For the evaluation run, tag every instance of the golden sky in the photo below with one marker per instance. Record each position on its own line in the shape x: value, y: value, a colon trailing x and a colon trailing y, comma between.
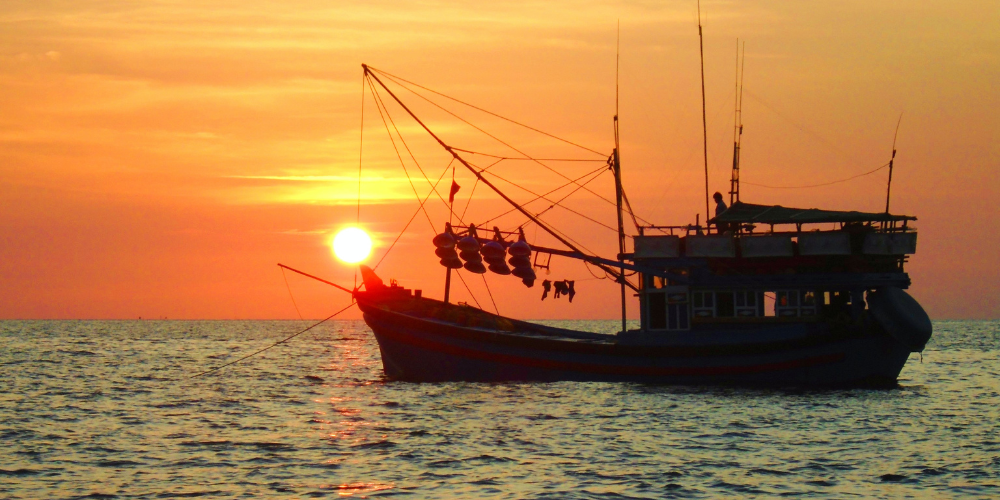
x: 157, y: 159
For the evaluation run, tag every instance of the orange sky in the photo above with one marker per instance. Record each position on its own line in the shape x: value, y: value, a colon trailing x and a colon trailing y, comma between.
x: 157, y: 159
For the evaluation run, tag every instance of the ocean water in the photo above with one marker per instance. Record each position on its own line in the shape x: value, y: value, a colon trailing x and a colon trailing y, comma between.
x: 105, y: 409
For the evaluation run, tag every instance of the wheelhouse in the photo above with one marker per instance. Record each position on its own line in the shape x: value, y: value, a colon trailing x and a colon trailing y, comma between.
x: 758, y: 264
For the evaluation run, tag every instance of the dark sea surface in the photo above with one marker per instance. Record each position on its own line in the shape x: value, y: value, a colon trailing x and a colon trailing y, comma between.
x: 102, y: 409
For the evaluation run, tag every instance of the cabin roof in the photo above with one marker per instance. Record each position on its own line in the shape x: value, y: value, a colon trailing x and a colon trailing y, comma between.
x: 776, y: 214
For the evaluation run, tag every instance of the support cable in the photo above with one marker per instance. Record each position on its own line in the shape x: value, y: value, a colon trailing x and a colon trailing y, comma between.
x: 525, y: 155
x: 407, y: 147
x: 629, y: 205
x: 467, y: 289
x: 293, y: 297
x: 401, y: 163
x: 599, y: 170
x: 361, y: 150
x: 421, y: 207
x: 475, y: 172
x: 501, y: 141
x: 282, y: 341
x: 520, y: 158
x: 560, y: 200
x: 491, y: 294
x: 591, y: 219
x: 818, y: 185
x: 398, y: 79
x: 473, y: 191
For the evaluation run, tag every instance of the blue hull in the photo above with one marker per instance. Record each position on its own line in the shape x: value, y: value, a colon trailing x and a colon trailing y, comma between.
x: 426, y: 349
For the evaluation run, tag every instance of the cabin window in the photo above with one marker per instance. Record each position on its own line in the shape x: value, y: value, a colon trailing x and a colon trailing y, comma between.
x: 678, y: 315
x: 807, y: 305
x: 728, y: 304
x: 683, y: 273
x: 786, y: 303
x: 749, y: 303
x: 790, y: 303
x: 655, y: 282
x: 667, y: 309
x: 703, y: 304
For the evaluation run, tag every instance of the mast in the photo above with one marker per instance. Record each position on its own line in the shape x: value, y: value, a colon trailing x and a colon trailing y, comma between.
x: 617, y: 166
x: 888, y: 187
x: 704, y: 116
x: 484, y: 180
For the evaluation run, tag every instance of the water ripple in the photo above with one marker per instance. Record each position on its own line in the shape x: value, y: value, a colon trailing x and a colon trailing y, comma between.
x: 105, y: 409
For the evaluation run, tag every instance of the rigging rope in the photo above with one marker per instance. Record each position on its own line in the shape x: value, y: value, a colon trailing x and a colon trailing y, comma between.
x: 802, y: 128
x: 599, y: 170
x: 361, y: 146
x: 414, y: 216
x: 602, y: 170
x: 518, y: 158
x: 467, y: 289
x: 471, y: 192
x: 398, y: 79
x: 559, y: 235
x: 293, y: 297
x: 378, y: 105
x: 629, y: 205
x: 361, y: 150
x: 378, y: 98
x: 282, y: 341
x: 501, y: 141
x: 818, y: 185
x: 595, y: 221
x: 491, y: 294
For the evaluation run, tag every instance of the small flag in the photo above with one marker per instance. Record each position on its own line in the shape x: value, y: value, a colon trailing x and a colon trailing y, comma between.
x: 454, y: 189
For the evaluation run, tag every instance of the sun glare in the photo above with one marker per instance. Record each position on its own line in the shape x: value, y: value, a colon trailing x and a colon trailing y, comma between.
x: 352, y: 245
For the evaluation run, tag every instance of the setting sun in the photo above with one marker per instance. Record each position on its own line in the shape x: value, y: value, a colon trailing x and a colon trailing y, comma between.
x: 352, y: 245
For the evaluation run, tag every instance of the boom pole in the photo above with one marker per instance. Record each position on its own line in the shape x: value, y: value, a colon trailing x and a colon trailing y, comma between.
x: 485, y: 181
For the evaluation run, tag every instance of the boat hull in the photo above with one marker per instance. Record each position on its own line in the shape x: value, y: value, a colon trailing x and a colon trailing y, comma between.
x: 428, y: 350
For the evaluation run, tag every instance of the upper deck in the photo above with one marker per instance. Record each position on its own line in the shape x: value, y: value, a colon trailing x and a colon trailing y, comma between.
x: 762, y: 245
x: 878, y: 241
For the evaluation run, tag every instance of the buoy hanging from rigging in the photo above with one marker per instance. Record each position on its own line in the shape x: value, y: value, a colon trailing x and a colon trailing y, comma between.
x: 520, y: 259
x: 445, y: 243
x: 494, y: 254
x: 469, y: 252
x: 445, y: 239
x: 500, y: 268
x: 475, y: 267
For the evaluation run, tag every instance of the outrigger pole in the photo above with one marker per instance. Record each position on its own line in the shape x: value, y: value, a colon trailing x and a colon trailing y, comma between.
x: 614, y: 273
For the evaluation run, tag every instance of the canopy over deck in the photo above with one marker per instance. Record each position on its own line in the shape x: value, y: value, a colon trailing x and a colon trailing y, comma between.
x: 776, y: 214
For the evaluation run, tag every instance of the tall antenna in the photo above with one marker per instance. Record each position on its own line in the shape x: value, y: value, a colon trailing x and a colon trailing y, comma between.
x: 704, y: 116
x: 734, y: 181
x: 888, y: 187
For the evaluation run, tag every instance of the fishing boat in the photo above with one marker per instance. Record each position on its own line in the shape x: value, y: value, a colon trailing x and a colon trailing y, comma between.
x: 757, y: 295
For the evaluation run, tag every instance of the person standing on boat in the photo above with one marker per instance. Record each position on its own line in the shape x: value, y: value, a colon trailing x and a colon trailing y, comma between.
x: 720, y: 207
